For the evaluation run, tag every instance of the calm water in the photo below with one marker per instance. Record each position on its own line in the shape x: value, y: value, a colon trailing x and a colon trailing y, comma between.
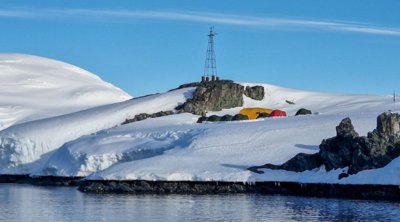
x: 32, y: 203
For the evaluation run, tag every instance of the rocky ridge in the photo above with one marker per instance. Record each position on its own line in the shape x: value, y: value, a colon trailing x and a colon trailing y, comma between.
x: 348, y: 149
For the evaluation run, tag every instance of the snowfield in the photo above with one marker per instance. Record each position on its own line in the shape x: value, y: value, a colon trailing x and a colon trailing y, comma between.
x: 25, y: 146
x: 93, y: 143
x: 33, y: 87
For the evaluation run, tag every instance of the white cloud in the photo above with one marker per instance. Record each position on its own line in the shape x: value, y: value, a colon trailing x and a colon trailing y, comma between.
x: 202, y: 17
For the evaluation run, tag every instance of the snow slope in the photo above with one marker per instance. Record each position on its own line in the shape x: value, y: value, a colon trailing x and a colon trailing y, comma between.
x: 92, y: 142
x: 176, y: 148
x: 222, y: 152
x: 25, y: 146
x: 33, y: 87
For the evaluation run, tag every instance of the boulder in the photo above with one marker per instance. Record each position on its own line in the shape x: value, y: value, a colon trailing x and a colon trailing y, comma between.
x: 202, y: 119
x: 303, y: 111
x: 255, y: 92
x: 227, y: 118
x: 143, y: 116
x: 214, y: 118
x: 239, y: 117
x: 263, y: 115
x: 214, y: 96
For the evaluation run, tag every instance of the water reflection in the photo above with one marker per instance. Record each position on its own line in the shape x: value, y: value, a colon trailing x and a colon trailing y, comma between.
x: 31, y: 203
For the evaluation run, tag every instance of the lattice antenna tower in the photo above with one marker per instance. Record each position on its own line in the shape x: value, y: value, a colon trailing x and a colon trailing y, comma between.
x: 210, y: 66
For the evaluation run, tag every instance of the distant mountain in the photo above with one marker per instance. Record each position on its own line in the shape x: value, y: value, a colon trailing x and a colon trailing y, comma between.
x: 33, y: 87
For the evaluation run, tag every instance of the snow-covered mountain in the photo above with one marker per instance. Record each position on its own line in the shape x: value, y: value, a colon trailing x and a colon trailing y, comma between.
x: 33, y: 87
x: 93, y: 142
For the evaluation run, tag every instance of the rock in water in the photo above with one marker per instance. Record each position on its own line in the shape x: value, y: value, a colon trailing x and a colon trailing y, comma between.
x: 255, y: 92
x: 214, y: 96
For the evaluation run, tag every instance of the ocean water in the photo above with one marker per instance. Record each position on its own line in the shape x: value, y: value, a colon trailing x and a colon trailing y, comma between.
x: 20, y: 202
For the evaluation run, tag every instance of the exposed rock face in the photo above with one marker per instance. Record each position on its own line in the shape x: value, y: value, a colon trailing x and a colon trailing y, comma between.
x: 214, y: 96
x: 337, y: 152
x: 255, y: 92
x: 380, y: 146
x: 143, y: 116
x: 348, y: 149
x: 303, y: 111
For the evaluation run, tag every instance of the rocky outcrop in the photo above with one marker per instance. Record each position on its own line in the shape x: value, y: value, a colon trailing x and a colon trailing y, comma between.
x: 215, y: 118
x: 218, y: 95
x: 303, y: 111
x: 299, y: 163
x: 214, y: 96
x: 255, y: 92
x: 348, y: 149
x: 337, y: 152
x: 373, y: 192
x: 143, y: 116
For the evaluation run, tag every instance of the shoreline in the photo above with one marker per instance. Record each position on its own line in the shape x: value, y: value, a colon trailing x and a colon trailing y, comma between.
x: 40, y: 180
x: 347, y: 191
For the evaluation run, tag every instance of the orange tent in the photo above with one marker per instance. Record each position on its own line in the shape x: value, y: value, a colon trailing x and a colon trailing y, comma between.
x: 253, y: 113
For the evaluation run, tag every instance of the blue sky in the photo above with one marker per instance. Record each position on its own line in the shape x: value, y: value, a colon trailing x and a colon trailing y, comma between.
x: 151, y: 46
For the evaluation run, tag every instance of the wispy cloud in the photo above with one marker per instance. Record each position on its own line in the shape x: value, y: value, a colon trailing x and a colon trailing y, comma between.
x: 203, y: 17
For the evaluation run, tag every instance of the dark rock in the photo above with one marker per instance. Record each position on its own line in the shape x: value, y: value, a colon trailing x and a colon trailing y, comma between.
x: 227, y: 118
x: 299, y: 163
x: 263, y: 115
x: 346, y: 129
x: 202, y: 119
x: 255, y: 92
x: 303, y: 111
x: 289, y: 102
x: 388, y: 126
x: 363, y: 191
x: 239, y: 117
x: 214, y: 96
x: 343, y: 175
x: 337, y: 152
x: 214, y: 118
x: 143, y: 116
x: 348, y: 149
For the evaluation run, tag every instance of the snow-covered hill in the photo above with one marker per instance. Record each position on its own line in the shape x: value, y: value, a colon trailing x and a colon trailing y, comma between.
x: 25, y: 146
x: 33, y: 87
x: 93, y: 143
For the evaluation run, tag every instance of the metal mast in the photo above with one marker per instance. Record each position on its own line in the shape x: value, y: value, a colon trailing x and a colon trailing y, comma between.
x: 210, y: 67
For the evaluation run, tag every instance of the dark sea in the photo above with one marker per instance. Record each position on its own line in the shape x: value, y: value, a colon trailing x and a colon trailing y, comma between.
x: 20, y: 202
